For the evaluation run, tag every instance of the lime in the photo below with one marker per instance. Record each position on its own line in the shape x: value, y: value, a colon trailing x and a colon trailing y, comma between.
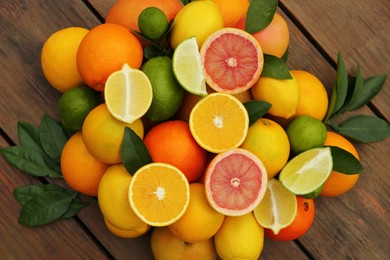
x: 307, y: 172
x: 167, y: 92
x: 128, y: 94
x: 188, y: 68
x: 314, y: 194
x: 153, y: 23
x: 305, y: 132
x: 278, y: 208
x: 75, y: 104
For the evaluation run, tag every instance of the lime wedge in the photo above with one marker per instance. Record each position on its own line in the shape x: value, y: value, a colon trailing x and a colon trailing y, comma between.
x: 307, y: 171
x: 187, y: 67
x: 278, y: 207
x: 128, y: 94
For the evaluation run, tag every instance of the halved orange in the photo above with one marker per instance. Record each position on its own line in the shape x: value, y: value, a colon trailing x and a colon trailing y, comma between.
x: 159, y: 194
x: 219, y: 122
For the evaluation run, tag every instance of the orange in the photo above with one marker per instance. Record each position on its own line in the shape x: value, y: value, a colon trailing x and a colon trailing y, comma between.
x: 126, y: 12
x: 104, y: 50
x: 300, y: 225
x: 232, y: 10
x: 103, y: 134
x: 314, y: 98
x: 159, y: 194
x: 81, y: 171
x: 338, y: 183
x: 171, y: 142
x: 166, y: 246
x: 200, y: 222
x: 274, y: 39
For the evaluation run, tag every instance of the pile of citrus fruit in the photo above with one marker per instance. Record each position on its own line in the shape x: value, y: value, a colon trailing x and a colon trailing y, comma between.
x: 203, y: 165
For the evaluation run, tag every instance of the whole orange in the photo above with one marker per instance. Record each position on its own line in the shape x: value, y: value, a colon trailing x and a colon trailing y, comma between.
x: 300, y: 225
x: 171, y: 142
x: 338, y: 183
x: 274, y: 38
x: 126, y: 12
x: 104, y: 50
x: 81, y: 171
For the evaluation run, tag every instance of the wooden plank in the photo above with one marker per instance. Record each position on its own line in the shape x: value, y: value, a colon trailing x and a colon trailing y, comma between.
x: 59, y: 240
x: 358, y: 29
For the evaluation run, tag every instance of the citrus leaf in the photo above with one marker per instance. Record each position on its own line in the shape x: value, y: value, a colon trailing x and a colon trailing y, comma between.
x: 27, y: 160
x: 52, y: 137
x: 341, y: 84
x: 26, y: 193
x: 45, y: 208
x: 75, y: 206
x: 345, y: 162
x: 134, y: 153
x: 260, y: 14
x: 29, y: 136
x: 275, y: 67
x: 256, y: 109
x: 363, y: 128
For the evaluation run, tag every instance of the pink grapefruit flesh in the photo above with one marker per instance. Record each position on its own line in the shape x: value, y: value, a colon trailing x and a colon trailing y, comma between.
x: 232, y: 60
x: 235, y: 182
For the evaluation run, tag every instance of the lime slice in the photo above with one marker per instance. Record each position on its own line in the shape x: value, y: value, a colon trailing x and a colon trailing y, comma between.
x: 187, y: 67
x: 278, y: 207
x: 128, y: 94
x: 307, y: 171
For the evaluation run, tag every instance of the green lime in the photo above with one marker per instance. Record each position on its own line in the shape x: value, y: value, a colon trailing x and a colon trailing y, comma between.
x: 153, y: 23
x: 307, y: 172
x: 75, y: 104
x: 167, y: 92
x: 305, y: 132
x: 314, y: 194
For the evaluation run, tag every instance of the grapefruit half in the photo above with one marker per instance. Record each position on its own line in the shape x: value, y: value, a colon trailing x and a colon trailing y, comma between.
x: 235, y: 182
x: 232, y: 60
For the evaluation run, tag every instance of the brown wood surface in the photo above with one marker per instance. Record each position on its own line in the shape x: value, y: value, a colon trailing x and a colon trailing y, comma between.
x: 354, y: 225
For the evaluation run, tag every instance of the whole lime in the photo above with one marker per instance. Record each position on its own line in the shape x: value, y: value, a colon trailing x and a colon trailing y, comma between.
x: 153, y: 23
x: 305, y: 132
x: 75, y: 104
x: 167, y: 92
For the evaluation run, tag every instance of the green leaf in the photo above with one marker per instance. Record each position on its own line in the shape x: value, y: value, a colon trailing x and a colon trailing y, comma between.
x: 27, y: 160
x: 275, y: 67
x: 365, y: 90
x: 29, y: 136
x: 341, y: 84
x: 52, y: 137
x: 260, y: 14
x: 344, y: 161
x: 45, y: 208
x: 26, y: 193
x: 256, y: 109
x: 75, y: 206
x: 134, y: 153
x: 184, y: 2
x: 363, y: 128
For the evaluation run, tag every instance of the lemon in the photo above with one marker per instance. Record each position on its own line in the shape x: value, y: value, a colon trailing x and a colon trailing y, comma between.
x: 75, y: 104
x: 199, y: 19
x: 239, y: 238
x: 283, y: 94
x: 167, y: 92
x: 307, y: 172
x: 278, y: 208
x: 128, y: 94
x: 153, y: 23
x: 188, y: 68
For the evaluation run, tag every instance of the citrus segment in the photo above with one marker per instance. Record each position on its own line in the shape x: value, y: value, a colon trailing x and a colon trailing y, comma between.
x: 235, y: 182
x: 232, y: 60
x: 159, y: 194
x: 307, y: 171
x: 187, y: 67
x: 128, y: 94
x: 277, y: 209
x: 219, y: 122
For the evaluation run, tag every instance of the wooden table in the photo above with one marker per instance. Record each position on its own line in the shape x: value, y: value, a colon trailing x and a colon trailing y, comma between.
x: 353, y: 226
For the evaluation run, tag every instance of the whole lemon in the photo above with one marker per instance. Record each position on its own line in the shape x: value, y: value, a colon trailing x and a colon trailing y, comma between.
x: 114, y: 203
x: 58, y: 58
x: 283, y: 94
x: 200, y: 221
x: 239, y: 237
x: 199, y: 18
x: 268, y: 141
